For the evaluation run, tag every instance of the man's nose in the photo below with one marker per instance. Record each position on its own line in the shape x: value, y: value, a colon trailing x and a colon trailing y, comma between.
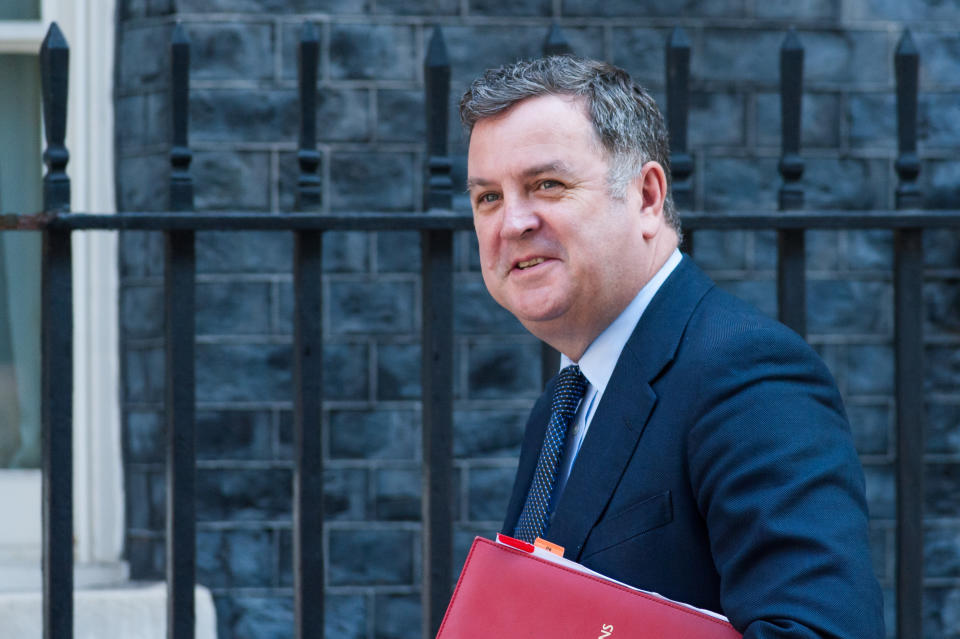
x: 519, y: 217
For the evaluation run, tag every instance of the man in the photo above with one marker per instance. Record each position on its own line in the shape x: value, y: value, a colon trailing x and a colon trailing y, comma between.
x: 690, y: 446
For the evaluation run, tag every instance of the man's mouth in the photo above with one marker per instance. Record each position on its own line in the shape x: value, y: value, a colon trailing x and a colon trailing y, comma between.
x: 528, y: 263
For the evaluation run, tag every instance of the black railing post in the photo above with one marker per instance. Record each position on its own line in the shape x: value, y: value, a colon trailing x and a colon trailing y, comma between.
x: 908, y: 335
x: 556, y: 42
x: 678, y: 110
x: 437, y: 340
x: 57, y: 351
x: 791, y: 253
x: 308, y: 510
x: 179, y: 307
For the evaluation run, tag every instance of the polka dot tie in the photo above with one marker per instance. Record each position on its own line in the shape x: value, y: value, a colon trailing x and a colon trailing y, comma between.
x: 536, y: 510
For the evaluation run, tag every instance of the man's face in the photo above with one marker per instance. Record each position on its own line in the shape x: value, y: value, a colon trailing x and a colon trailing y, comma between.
x: 556, y: 249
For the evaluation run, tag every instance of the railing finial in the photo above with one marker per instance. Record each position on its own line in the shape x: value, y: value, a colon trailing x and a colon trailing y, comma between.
x: 54, y: 70
x: 907, y: 69
x: 556, y: 42
x: 309, y: 190
x: 438, y: 187
x: 678, y: 109
x: 181, y: 182
x: 791, y: 98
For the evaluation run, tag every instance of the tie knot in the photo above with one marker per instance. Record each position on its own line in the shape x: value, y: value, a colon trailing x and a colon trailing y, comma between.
x: 569, y: 390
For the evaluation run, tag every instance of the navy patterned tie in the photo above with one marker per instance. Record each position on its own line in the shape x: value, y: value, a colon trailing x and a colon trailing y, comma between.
x: 536, y: 510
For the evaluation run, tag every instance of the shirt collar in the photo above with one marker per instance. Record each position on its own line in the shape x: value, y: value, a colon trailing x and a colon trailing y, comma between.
x: 600, y: 358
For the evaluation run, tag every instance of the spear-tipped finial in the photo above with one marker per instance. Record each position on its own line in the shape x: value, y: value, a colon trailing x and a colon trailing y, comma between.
x: 437, y: 50
x: 556, y: 42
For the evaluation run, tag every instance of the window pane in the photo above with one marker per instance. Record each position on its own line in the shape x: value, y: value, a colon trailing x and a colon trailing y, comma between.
x: 20, y: 192
x: 20, y: 10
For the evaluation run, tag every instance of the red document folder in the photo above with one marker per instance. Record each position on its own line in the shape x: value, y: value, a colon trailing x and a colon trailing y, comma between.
x: 504, y: 591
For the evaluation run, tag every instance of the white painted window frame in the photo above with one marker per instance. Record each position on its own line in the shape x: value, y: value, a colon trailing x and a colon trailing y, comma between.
x: 88, y: 26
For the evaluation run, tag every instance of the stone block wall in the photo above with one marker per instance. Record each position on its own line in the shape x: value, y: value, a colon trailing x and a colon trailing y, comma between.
x: 243, y: 131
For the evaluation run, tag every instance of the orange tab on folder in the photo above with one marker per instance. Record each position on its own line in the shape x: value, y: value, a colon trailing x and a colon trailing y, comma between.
x: 548, y: 546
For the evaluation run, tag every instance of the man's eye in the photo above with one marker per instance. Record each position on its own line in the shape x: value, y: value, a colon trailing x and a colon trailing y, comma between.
x: 550, y: 184
x: 487, y: 198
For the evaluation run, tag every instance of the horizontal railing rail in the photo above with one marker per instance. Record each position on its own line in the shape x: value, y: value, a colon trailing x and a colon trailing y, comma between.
x: 437, y: 224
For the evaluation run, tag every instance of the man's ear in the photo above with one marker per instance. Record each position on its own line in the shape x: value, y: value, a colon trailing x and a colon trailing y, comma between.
x: 652, y: 187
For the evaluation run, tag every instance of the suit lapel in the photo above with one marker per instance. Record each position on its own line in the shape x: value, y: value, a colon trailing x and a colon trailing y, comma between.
x: 625, y: 408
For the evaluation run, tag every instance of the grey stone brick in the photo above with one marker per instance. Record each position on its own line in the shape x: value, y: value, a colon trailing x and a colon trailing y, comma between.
x: 733, y: 183
x: 142, y: 375
x: 613, y: 8
x: 942, y: 490
x: 231, y: 50
x: 398, y: 617
x: 377, y: 307
x: 738, y: 56
x: 366, y: 51
x: 352, y: 175
x: 345, y: 375
x: 127, y: 9
x: 244, y: 373
x: 244, y: 495
x: 235, y: 6
x: 761, y: 293
x: 641, y: 52
x: 716, y: 119
x: 474, y: 49
x: 943, y: 436
x: 489, y: 492
x: 941, y: 552
x: 140, y: 254
x: 870, y: 369
x: 398, y: 492
x: 872, y: 120
x: 835, y: 357
x: 940, y: 184
x: 130, y: 116
x: 234, y: 558
x: 418, y: 7
x: 398, y: 371
x: 943, y: 307
x: 233, y: 308
x: 488, y: 433
x: 145, y: 440
x: 398, y: 252
x: 371, y: 557
x: 720, y: 250
x: 243, y: 115
x: 499, y: 9
x: 941, y: 369
x: 819, y: 120
x: 848, y: 183
x: 847, y: 57
x: 138, y: 65
x: 234, y: 434
x: 846, y: 306
x: 232, y: 181
x: 475, y: 312
x: 939, y: 52
x: 147, y: 557
x: 504, y: 370
x: 791, y: 9
x: 249, y: 617
x: 146, y: 498
x: 235, y: 252
x: 941, y: 248
x: 938, y: 124
x: 881, y: 492
x: 143, y: 183
x: 941, y: 612
x: 822, y: 250
x: 141, y: 311
x: 765, y: 249
x: 869, y: 250
x: 871, y: 425
x: 374, y: 434
x: 333, y: 6
x: 400, y: 116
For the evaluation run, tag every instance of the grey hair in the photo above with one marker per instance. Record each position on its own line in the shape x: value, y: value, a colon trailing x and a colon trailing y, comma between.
x: 625, y: 117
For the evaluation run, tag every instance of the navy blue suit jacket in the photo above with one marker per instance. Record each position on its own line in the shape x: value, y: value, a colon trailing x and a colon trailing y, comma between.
x: 719, y: 470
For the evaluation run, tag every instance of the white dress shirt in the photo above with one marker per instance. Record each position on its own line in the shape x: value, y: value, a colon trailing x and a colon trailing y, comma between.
x: 597, y: 364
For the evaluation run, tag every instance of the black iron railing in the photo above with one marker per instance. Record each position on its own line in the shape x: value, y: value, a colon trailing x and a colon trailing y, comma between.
x: 437, y: 225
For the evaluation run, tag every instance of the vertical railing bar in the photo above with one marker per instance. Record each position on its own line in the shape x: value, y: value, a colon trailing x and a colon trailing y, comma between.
x: 678, y: 110
x: 791, y: 244
x: 308, y: 507
x: 57, y: 351
x: 437, y: 345
x: 179, y: 333
x: 556, y: 42
x: 908, y: 335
